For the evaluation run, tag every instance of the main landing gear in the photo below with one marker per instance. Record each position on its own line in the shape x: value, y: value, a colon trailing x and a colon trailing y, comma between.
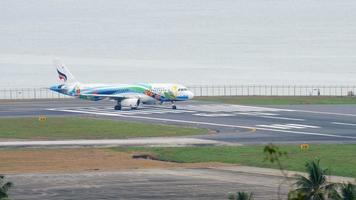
x: 118, y: 106
x: 174, y: 107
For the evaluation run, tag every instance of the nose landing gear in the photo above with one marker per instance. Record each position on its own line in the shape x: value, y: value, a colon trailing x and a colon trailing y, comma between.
x: 174, y: 107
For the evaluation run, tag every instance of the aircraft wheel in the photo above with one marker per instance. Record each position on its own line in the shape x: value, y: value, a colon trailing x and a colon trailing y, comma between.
x: 174, y: 107
x: 118, y: 107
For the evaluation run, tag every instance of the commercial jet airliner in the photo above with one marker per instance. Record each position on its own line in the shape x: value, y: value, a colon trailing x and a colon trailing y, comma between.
x: 126, y: 95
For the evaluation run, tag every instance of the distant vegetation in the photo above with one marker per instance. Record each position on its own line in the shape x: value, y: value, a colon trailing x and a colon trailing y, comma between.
x: 279, y: 100
x: 86, y: 128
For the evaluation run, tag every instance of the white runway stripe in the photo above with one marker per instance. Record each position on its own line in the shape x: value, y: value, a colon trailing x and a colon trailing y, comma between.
x: 230, y: 108
x: 215, y: 115
x: 126, y: 112
x: 346, y: 124
x: 327, y: 113
x: 292, y: 126
x: 276, y: 126
x: 283, y: 118
x: 287, y: 126
x: 306, y: 126
x: 124, y: 142
x: 256, y: 114
x: 264, y: 114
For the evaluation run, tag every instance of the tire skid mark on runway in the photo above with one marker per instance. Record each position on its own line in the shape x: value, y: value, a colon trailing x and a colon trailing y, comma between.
x: 211, y: 124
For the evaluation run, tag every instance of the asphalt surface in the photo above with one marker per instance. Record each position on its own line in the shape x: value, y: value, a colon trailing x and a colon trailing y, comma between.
x: 234, y: 123
x: 205, y: 183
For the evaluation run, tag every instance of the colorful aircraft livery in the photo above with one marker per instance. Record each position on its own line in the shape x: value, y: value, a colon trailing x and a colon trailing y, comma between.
x: 126, y: 95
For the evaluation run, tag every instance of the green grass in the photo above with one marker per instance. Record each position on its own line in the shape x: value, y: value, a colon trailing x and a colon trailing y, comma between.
x: 86, y: 128
x: 339, y: 159
x: 279, y: 100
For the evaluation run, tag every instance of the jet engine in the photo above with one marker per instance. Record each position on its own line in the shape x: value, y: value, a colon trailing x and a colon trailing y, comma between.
x: 133, y: 103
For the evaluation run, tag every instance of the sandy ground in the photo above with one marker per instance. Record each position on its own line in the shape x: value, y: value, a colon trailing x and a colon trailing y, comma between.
x: 76, y: 160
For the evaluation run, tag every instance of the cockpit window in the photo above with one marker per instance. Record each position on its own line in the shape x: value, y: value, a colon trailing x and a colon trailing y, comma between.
x: 182, y: 89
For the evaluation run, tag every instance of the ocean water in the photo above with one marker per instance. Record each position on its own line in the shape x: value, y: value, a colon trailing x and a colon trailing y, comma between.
x: 302, y: 42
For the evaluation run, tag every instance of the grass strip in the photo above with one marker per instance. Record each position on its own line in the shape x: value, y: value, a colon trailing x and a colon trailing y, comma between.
x: 86, y: 128
x: 339, y: 159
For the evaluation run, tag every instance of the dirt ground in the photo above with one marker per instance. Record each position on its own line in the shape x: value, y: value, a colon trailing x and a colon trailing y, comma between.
x: 74, y: 160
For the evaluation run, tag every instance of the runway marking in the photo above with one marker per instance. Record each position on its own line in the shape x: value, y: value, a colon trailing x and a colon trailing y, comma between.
x: 303, y: 125
x: 288, y: 126
x: 346, y: 124
x: 126, y: 112
x: 264, y: 114
x: 214, y: 115
x: 158, y: 119
x: 212, y: 124
x: 257, y: 113
x: 134, y: 141
x: 327, y: 113
x: 283, y: 118
x: 230, y: 108
x: 274, y: 126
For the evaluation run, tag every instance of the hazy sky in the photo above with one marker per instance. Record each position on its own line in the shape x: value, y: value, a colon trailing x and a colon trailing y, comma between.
x: 187, y: 41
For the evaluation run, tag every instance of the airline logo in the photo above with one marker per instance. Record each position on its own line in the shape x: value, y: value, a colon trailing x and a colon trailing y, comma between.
x: 62, y: 76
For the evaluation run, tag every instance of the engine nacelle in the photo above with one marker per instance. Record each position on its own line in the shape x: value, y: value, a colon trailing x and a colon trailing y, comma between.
x: 133, y: 103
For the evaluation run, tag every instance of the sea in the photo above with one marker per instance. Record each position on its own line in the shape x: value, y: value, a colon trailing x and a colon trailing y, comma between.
x: 193, y: 42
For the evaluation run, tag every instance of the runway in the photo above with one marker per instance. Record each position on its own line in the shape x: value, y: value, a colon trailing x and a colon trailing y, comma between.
x: 234, y: 123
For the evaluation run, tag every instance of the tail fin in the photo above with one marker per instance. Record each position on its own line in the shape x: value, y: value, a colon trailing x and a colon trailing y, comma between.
x: 63, y: 72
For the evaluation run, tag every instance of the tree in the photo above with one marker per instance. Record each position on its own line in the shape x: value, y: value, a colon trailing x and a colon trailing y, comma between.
x: 241, y: 196
x: 4, y: 187
x: 345, y: 191
x: 273, y: 154
x: 315, y: 185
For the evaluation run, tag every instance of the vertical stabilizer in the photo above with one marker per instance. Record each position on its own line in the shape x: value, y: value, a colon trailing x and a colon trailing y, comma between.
x: 64, y: 74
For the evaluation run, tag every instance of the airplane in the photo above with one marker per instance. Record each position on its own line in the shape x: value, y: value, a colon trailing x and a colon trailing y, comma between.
x: 126, y: 95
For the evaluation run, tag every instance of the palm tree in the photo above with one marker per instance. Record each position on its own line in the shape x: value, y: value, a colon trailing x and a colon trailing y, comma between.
x: 347, y: 191
x: 4, y: 187
x: 294, y: 195
x: 241, y: 196
x: 314, y: 186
